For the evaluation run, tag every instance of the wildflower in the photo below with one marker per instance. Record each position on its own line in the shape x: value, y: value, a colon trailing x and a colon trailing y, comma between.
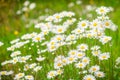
x: 1, y: 43
x: 80, y: 54
x: 71, y: 59
x: 32, y: 6
x: 96, y: 47
x: 99, y: 74
x: 14, y: 41
x: 26, y: 3
x: 16, y: 32
x: 80, y: 65
x: 38, y: 38
x: 83, y: 24
x: 89, y: 77
x: 37, y: 68
x: 51, y: 74
x: 58, y: 65
x: 72, y: 53
x: 105, y: 39
x: 40, y: 58
x: 29, y: 77
x: 102, y: 10
x: 94, y: 69
x: 3, y: 72
x: 19, y: 76
x: 104, y: 56
x: 59, y: 71
x: 86, y: 60
x: 16, y: 53
x: 82, y: 47
x: 96, y: 53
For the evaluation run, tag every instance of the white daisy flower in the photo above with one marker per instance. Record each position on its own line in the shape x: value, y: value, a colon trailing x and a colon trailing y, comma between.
x: 104, y: 56
x: 19, y: 76
x: 26, y: 3
x: 96, y: 52
x: 99, y: 74
x: 1, y: 43
x: 82, y: 47
x: 94, y: 48
x: 38, y: 38
x: 102, y: 10
x: 32, y: 6
x: 80, y: 54
x: 37, y: 68
x: 80, y: 65
x: 94, y: 69
x: 105, y: 39
x: 89, y: 77
x: 86, y: 60
x: 29, y: 77
x: 83, y: 24
x: 51, y: 74
x: 16, y: 53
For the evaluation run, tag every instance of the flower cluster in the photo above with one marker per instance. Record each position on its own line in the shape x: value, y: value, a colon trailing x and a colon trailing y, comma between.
x: 56, y: 32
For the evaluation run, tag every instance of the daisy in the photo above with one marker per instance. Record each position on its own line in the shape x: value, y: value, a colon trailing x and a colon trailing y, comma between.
x: 26, y: 67
x: 72, y: 53
x: 9, y: 72
x: 52, y: 48
x: 51, y: 74
x: 38, y: 38
x: 32, y: 6
x: 60, y: 30
x: 14, y: 41
x: 16, y: 53
x: 86, y: 60
x: 33, y: 65
x: 59, y: 38
x: 102, y: 10
x: 3, y: 72
x: 71, y: 59
x: 104, y: 56
x: 78, y: 31
x: 59, y: 71
x: 19, y: 76
x: 82, y: 47
x: 40, y: 58
x: 71, y: 37
x: 26, y: 3
x: 80, y: 65
x: 29, y: 77
x: 95, y: 24
x: 94, y: 69
x: 80, y: 54
x: 83, y: 24
x: 107, y: 23
x: 94, y: 48
x: 58, y: 65
x: 105, y: 39
x: 64, y: 61
x: 37, y: 68
x: 15, y: 60
x: 1, y: 43
x: 96, y: 53
x: 99, y: 74
x: 89, y: 77
x: 22, y: 59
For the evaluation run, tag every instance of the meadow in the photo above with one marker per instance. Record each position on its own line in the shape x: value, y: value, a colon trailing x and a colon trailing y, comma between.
x: 59, y: 40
